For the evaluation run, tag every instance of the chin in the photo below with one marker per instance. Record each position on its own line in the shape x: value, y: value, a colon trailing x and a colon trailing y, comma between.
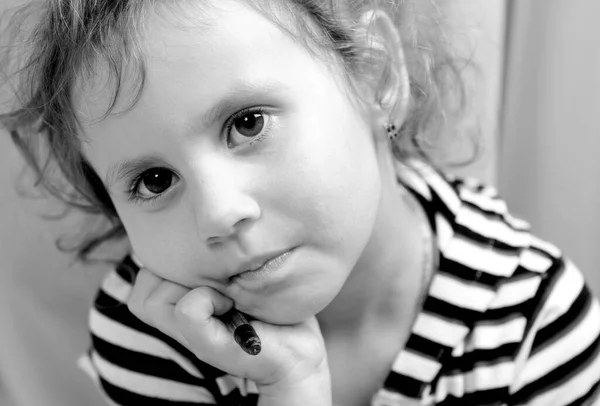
x: 306, y: 292
x: 288, y: 312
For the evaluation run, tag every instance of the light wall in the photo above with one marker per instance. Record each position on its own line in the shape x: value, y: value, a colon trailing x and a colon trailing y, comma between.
x: 477, y: 30
x: 549, y: 170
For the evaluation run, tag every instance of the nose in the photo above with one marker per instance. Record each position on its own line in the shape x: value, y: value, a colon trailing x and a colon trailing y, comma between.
x: 222, y: 203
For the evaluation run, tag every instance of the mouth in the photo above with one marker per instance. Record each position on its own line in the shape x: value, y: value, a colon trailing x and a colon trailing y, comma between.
x: 263, y: 271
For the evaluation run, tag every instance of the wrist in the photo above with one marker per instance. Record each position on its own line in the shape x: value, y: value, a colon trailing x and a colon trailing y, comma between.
x: 313, y: 389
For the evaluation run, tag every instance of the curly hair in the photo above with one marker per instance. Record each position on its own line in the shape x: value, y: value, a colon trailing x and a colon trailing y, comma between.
x: 69, y: 40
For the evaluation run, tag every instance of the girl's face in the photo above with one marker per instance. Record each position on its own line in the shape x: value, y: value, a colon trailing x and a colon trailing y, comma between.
x: 242, y: 147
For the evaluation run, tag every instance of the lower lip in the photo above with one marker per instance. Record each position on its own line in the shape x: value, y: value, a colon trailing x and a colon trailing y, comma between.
x: 269, y: 268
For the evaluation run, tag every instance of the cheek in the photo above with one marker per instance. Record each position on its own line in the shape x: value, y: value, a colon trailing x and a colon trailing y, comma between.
x: 161, y: 241
x: 329, y: 181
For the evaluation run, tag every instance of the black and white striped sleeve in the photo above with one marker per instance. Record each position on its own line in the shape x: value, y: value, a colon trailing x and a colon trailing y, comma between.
x: 559, y: 362
x: 133, y: 363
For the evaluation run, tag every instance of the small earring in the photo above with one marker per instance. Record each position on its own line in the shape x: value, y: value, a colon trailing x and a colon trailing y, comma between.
x: 392, y: 131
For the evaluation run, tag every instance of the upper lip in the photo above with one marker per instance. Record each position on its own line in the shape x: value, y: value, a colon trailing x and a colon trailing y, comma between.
x: 258, y: 261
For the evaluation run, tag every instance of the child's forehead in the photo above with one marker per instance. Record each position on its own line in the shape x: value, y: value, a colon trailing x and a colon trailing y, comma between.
x: 206, y: 20
x: 210, y: 36
x: 211, y: 15
x: 234, y: 44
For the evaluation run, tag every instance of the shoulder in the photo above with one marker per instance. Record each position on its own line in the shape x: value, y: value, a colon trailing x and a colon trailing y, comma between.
x: 479, y: 239
x: 463, y: 202
x: 532, y: 326
x: 558, y: 361
x: 524, y: 273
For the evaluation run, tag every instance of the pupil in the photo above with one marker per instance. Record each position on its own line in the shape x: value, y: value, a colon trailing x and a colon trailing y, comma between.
x: 158, y: 181
x: 250, y: 125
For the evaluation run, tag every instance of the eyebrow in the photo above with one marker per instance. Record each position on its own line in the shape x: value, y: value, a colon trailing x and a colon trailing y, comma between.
x: 243, y: 93
x: 128, y: 168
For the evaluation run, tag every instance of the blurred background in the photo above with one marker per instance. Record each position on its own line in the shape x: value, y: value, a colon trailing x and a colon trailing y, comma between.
x: 536, y: 93
x: 540, y: 62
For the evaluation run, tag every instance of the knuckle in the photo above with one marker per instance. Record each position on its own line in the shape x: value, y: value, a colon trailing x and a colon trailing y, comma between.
x: 152, y: 303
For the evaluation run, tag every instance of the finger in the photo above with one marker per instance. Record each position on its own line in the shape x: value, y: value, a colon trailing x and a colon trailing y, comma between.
x: 145, y: 283
x: 160, y: 307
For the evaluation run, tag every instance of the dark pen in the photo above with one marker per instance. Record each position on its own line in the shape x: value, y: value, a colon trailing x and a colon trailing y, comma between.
x: 243, y: 332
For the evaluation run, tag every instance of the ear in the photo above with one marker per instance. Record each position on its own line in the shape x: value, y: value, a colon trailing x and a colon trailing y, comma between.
x: 382, y: 35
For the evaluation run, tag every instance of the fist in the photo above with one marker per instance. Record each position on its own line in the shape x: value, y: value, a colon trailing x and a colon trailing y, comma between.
x: 290, y: 354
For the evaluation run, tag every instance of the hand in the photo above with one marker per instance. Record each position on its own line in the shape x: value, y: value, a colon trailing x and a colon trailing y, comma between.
x: 293, y: 358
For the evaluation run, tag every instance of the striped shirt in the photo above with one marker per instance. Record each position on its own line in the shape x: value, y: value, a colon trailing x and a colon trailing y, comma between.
x: 507, y: 320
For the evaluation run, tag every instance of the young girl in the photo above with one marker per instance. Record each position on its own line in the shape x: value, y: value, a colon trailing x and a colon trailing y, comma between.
x: 268, y: 157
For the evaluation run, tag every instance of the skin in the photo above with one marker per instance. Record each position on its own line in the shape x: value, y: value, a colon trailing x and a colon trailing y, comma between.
x: 320, y: 181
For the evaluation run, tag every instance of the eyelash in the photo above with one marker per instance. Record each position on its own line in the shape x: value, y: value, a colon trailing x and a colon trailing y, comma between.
x: 134, y: 185
x: 251, y: 110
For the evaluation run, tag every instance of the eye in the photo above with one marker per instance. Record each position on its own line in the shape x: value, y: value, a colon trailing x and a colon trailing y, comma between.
x: 152, y: 184
x: 248, y: 127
